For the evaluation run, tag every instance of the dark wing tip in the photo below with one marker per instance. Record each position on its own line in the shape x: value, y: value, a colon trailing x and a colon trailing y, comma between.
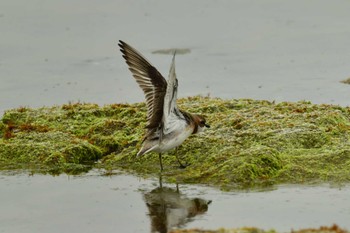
x: 124, y: 47
x: 121, y: 45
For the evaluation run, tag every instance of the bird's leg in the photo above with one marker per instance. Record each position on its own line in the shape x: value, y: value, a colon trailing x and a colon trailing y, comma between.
x: 160, y: 128
x: 160, y: 181
x: 178, y: 160
x: 160, y: 162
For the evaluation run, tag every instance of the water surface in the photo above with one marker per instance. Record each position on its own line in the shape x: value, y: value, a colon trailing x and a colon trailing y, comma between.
x: 125, y: 203
x: 52, y: 52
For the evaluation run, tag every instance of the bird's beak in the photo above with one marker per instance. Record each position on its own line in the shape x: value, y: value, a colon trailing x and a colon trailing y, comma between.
x: 208, y: 126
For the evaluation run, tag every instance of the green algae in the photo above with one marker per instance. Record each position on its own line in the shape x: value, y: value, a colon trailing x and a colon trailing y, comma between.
x: 250, y: 142
x: 53, y: 151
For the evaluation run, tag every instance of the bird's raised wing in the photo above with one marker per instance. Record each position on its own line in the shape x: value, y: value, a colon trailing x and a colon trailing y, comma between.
x: 170, y: 111
x: 150, y: 80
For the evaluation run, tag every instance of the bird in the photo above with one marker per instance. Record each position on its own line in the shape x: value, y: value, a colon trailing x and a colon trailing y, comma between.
x: 167, y: 125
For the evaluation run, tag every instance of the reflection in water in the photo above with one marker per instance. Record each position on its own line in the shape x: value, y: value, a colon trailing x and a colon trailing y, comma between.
x: 168, y: 208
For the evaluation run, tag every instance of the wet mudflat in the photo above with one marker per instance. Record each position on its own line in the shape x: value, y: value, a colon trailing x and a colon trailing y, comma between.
x: 125, y: 203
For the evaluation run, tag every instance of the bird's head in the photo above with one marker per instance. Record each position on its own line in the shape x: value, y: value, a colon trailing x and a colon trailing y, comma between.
x: 200, y: 123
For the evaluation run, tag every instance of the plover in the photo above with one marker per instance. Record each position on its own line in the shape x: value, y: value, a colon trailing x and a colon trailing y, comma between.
x: 167, y: 126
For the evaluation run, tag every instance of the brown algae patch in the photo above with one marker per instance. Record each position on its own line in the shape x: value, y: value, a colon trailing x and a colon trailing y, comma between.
x: 250, y: 142
x: 222, y: 230
x: 323, y: 229
x: 346, y: 81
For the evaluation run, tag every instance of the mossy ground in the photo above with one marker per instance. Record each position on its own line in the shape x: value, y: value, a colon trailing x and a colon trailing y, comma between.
x: 250, y: 142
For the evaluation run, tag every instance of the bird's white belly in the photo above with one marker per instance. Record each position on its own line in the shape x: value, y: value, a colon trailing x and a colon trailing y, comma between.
x: 172, y: 140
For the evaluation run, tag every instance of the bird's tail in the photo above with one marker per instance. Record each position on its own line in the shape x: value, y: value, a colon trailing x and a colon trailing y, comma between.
x: 145, y: 150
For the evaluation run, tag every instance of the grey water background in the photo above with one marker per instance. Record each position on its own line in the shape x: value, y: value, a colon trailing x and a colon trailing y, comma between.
x: 120, y: 203
x: 53, y: 52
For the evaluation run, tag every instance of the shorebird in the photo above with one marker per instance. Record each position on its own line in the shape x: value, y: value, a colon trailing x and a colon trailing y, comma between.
x: 167, y: 126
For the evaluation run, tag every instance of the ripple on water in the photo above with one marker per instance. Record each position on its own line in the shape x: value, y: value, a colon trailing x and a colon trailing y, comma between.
x: 93, y: 202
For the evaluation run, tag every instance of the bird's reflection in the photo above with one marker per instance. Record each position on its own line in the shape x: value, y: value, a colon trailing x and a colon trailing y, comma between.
x: 169, y: 209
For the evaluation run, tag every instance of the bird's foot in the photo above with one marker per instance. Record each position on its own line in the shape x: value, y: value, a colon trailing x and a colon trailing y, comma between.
x: 183, y: 166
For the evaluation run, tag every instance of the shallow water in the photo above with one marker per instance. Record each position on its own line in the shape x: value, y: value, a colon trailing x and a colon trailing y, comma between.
x: 125, y: 203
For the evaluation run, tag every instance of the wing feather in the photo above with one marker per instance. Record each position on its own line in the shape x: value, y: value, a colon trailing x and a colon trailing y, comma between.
x: 151, y: 82
x: 170, y: 111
